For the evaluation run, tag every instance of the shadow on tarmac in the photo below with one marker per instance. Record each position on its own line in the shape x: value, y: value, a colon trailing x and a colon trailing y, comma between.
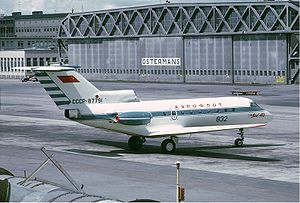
x: 202, y: 151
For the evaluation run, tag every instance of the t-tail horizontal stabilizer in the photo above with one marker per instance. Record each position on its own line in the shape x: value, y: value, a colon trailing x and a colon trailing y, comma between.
x: 70, y: 90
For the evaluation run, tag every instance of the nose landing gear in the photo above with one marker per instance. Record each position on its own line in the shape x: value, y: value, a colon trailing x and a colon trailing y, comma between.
x: 239, y: 142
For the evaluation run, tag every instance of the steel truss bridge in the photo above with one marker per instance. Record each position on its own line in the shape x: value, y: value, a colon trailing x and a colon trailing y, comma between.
x: 197, y: 19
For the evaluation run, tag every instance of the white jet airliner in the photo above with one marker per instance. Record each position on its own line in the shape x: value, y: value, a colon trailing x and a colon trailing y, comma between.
x: 121, y: 111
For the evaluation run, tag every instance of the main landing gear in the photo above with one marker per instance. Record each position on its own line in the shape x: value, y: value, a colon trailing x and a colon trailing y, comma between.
x: 240, y: 141
x: 135, y: 142
x: 168, y: 146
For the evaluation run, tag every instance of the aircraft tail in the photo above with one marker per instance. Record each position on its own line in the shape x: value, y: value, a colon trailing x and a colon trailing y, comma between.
x: 69, y: 89
x: 64, y: 85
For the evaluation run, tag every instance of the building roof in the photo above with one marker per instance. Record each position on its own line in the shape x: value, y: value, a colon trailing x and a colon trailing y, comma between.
x: 183, y: 19
x: 36, y: 15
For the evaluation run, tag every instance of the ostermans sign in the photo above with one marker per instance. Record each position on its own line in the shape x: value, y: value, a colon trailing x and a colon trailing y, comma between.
x: 161, y: 61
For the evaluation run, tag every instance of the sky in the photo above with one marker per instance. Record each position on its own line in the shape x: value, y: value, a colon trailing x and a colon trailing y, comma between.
x: 65, y: 6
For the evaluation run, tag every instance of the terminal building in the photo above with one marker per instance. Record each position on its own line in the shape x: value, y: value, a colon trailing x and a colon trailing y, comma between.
x: 236, y: 42
x: 28, y: 40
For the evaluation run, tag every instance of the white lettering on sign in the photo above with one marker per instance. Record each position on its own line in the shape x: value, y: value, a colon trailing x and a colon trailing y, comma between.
x: 161, y: 62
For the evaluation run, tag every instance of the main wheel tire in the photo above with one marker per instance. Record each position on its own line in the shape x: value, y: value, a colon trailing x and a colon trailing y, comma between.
x: 238, y: 142
x: 135, y: 143
x: 168, y: 146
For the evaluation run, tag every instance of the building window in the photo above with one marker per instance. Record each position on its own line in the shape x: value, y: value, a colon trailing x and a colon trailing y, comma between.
x: 47, y: 61
x: 28, y: 61
x: 20, y: 44
x: 42, y: 63
x: 1, y: 64
x: 35, y: 62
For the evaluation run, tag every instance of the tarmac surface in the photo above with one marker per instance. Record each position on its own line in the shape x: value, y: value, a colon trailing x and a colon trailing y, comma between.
x: 212, y: 169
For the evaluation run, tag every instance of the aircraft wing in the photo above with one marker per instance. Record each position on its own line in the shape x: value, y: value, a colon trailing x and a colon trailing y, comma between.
x: 165, y: 131
x: 45, y: 68
x: 23, y: 68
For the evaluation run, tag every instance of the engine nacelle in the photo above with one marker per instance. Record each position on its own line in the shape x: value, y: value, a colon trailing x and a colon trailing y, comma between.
x: 134, y: 118
x: 72, y: 113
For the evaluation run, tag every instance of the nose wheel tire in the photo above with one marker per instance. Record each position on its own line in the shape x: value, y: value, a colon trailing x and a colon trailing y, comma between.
x: 238, y: 142
x: 135, y: 143
x: 168, y: 146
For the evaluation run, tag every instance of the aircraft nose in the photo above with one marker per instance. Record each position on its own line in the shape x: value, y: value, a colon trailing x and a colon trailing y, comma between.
x: 269, y: 116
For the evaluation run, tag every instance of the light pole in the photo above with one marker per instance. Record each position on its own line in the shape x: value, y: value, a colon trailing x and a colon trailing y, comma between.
x: 177, y: 181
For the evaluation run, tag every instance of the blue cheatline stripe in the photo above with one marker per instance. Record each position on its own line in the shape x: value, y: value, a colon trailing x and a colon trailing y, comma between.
x: 41, y: 74
x: 51, y: 88
x: 179, y: 113
x: 58, y: 96
x: 59, y: 103
x: 46, y: 82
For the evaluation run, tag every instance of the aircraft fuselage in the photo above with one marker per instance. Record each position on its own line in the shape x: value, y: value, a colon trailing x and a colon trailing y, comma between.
x: 175, y: 117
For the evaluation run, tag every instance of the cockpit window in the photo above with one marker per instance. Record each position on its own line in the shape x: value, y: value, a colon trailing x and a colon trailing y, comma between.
x: 254, y: 105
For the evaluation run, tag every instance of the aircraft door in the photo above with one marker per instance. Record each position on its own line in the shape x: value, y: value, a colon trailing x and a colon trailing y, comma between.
x: 174, y: 115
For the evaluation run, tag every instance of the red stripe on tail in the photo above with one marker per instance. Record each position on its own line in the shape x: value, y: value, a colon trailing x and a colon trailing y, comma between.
x: 68, y: 79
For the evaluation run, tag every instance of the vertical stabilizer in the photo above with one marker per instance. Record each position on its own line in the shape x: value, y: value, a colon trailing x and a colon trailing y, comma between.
x: 65, y: 86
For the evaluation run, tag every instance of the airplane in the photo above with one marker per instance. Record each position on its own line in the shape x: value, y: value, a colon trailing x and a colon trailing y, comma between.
x: 121, y: 111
